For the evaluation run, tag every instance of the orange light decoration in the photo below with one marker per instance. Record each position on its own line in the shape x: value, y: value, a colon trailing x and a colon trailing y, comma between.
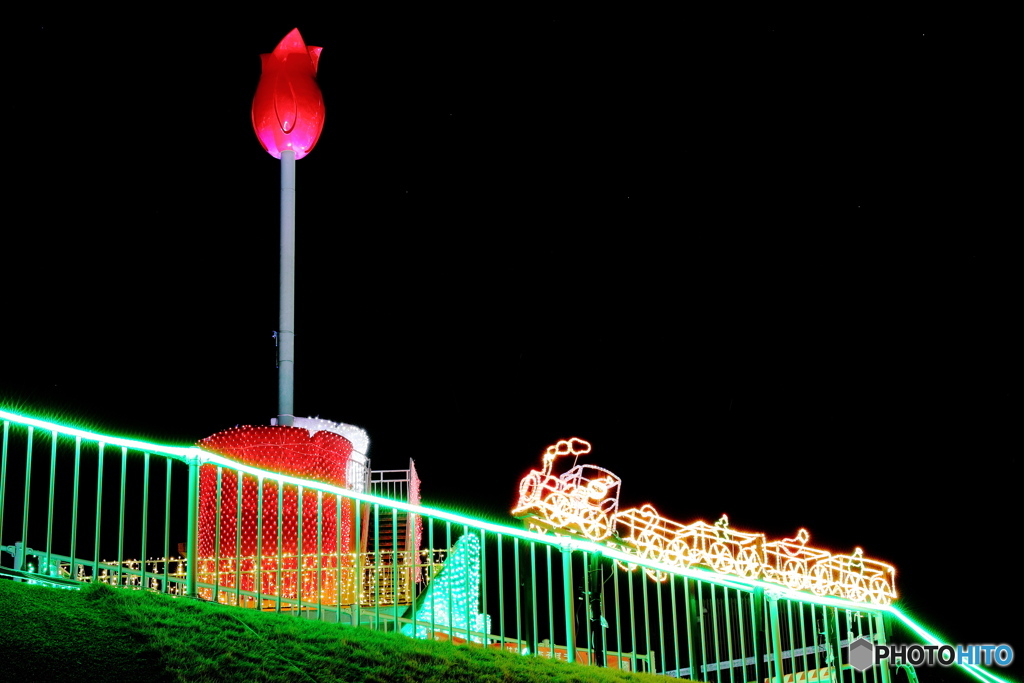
x: 788, y: 561
x: 855, y: 577
x: 375, y: 581
x: 584, y: 502
x: 322, y: 456
x: 657, y: 538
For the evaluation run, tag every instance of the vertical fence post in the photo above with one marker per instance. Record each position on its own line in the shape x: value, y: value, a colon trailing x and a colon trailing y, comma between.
x: 595, y: 610
x: 143, y: 556
x: 883, y: 630
x: 28, y: 489
x: 570, y: 635
x: 192, y: 540
x: 167, y: 529
x: 773, y: 616
x: 3, y: 475
x: 74, y: 507
x: 216, y: 535
x: 99, y: 514
x: 278, y: 574
x: 757, y: 626
x: 298, y: 553
x: 832, y: 637
x: 49, y: 520
x: 357, y: 573
x: 239, y: 484
x: 120, y: 523
x: 535, y: 639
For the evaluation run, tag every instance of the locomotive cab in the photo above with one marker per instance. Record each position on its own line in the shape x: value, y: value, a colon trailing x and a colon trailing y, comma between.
x: 594, y: 487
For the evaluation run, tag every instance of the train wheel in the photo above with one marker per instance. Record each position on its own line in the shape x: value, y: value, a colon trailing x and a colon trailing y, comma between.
x: 793, y: 574
x: 821, y: 580
x: 880, y: 592
x: 856, y: 590
x: 748, y: 564
x: 558, y: 508
x: 653, y: 548
x: 596, y: 526
x: 676, y: 552
x: 720, y: 558
x: 688, y: 555
x: 647, y: 544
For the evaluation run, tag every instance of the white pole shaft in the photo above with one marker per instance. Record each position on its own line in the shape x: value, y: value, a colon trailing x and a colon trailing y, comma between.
x: 286, y: 331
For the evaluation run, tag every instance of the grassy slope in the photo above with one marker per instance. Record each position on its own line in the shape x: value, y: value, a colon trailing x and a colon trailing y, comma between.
x: 106, y: 634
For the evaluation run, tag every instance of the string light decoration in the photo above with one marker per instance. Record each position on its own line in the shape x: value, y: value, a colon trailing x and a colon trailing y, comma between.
x: 854, y: 577
x: 160, y: 574
x: 244, y: 560
x: 788, y: 561
x: 651, y: 536
x: 357, y: 473
x: 452, y: 602
x: 376, y: 578
x: 417, y: 521
x: 245, y: 533
x: 584, y: 502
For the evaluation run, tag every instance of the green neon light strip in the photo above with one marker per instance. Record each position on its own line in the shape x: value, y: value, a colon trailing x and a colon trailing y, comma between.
x: 198, y: 456
x: 976, y: 671
x: 173, y: 451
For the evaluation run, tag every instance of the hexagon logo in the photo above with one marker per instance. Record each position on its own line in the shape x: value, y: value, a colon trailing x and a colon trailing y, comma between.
x: 862, y: 654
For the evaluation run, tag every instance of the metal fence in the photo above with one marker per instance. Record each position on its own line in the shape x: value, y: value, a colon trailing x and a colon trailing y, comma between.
x: 81, y: 507
x: 392, y: 484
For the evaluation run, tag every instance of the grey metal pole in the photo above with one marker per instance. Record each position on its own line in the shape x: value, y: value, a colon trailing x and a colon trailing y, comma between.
x: 286, y: 331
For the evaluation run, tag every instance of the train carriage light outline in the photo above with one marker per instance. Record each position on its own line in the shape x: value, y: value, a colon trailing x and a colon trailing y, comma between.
x: 584, y: 502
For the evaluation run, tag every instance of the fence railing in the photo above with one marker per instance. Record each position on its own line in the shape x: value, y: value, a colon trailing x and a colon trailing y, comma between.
x: 83, y: 507
x: 393, y: 484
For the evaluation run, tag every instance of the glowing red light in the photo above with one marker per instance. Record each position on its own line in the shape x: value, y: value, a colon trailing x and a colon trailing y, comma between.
x: 322, y: 457
x: 288, y: 110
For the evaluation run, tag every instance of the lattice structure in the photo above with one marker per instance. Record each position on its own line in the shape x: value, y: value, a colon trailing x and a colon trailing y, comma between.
x: 250, y: 544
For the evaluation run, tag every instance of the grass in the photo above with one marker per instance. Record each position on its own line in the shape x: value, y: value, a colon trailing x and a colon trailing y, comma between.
x: 101, y: 633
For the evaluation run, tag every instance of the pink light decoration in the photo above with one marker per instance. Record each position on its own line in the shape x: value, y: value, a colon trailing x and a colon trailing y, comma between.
x: 288, y: 109
x: 414, y: 498
x: 322, y: 457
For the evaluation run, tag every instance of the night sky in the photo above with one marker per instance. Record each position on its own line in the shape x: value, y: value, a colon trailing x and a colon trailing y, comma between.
x: 764, y: 264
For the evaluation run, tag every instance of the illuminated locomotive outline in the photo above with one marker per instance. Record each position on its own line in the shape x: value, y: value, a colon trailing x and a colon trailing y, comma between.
x: 584, y: 501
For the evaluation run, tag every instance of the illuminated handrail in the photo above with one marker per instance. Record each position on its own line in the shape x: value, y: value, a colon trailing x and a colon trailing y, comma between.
x: 696, y: 619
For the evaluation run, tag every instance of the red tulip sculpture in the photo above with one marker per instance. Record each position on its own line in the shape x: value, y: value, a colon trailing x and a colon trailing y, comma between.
x: 288, y: 110
x: 288, y: 115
